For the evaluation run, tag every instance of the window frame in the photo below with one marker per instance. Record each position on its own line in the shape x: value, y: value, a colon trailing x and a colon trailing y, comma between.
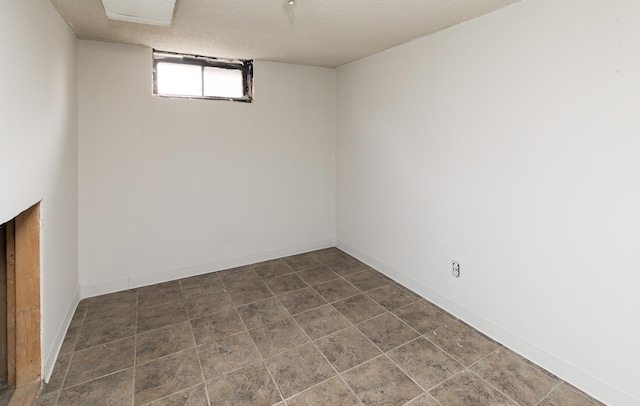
x: 243, y: 65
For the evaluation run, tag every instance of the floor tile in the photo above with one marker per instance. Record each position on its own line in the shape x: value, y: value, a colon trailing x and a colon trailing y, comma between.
x: 271, y: 269
x: 98, y: 361
x: 335, y: 290
x: 249, y: 292
x: 207, y: 304
x: 226, y: 355
x: 166, y: 375
x: 331, y: 392
x: 392, y: 296
x: 379, y: 382
x: 48, y: 399
x: 154, y: 295
x: 102, y: 331
x: 216, y: 326
x: 301, y: 300
x: 277, y: 337
x: 424, y: 400
x: 285, y: 284
x: 423, y: 316
x: 348, y: 267
x: 163, y: 341
x: 516, y: 377
x: 567, y: 395
x: 70, y: 339
x: 466, y: 388
x: 358, y: 308
x: 98, y: 302
x: 462, y: 342
x: 111, y: 308
x: 112, y: 390
x: 299, y: 369
x: 250, y: 386
x: 330, y: 255
x: 263, y: 312
x: 315, y: 276
x: 161, y: 316
x: 205, y: 284
x: 347, y: 349
x: 424, y: 362
x: 58, y: 375
x: 387, y: 331
x: 321, y: 321
x: 232, y: 278
x: 368, y: 280
x: 301, y: 262
x: 195, y: 396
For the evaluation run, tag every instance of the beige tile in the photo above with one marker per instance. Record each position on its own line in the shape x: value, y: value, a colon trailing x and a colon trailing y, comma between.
x: 286, y: 283
x: 98, y: 361
x: 112, y: 390
x: 516, y: 377
x: 163, y: 341
x: 166, y: 375
x: 335, y: 290
x: 358, y: 308
x: 466, y: 388
x: 299, y: 369
x: 347, y: 349
x: 263, y: 312
x: 216, y: 326
x: 226, y: 355
x: 379, y: 382
x: 423, y: 316
x: 331, y: 392
x: 463, y: 343
x: 392, y: 296
x: 315, y: 276
x: 321, y: 321
x: 301, y: 300
x: 424, y: 362
x: 387, y: 331
x: 277, y: 337
x: 250, y: 386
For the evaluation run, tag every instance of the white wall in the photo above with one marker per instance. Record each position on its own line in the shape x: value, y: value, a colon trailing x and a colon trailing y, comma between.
x: 511, y: 144
x: 38, y: 149
x: 170, y: 188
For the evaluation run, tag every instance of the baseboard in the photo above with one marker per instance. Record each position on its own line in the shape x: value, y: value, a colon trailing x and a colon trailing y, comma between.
x: 50, y: 359
x: 193, y: 270
x: 566, y: 371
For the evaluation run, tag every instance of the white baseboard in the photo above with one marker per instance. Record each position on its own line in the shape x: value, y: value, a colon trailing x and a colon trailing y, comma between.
x: 49, y: 360
x: 566, y: 371
x: 193, y: 270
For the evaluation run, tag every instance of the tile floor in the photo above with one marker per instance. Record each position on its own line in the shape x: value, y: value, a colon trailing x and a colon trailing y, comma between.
x: 318, y: 328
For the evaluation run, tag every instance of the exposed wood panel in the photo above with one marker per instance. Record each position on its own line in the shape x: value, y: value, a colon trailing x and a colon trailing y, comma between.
x: 11, y: 304
x: 3, y: 305
x: 27, y: 285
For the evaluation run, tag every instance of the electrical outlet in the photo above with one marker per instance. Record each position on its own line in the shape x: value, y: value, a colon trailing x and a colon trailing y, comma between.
x: 455, y: 269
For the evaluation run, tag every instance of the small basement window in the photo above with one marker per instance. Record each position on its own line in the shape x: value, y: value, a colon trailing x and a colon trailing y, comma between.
x: 202, y: 77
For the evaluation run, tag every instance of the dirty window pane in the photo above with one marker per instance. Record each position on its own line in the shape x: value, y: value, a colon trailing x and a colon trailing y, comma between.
x: 220, y: 82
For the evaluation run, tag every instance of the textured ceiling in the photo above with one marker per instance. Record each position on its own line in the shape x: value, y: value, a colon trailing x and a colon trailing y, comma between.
x: 327, y: 33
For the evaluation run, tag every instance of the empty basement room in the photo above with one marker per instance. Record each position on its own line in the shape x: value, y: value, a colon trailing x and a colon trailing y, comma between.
x: 425, y: 202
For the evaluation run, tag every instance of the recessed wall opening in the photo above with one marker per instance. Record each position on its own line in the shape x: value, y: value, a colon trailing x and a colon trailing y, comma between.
x: 20, y: 356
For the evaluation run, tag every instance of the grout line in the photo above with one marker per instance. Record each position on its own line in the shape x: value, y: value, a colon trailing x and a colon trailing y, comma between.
x: 550, y: 392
